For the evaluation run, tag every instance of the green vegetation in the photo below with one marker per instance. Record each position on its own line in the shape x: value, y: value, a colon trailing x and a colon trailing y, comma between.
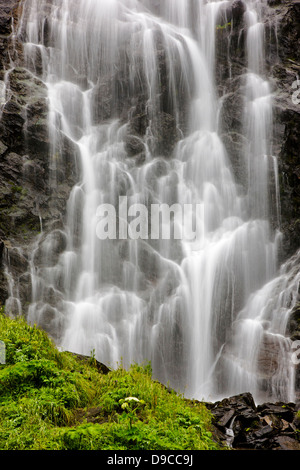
x: 52, y: 400
x: 223, y: 26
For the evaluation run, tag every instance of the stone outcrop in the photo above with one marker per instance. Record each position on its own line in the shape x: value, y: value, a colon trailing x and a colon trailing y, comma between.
x: 240, y: 424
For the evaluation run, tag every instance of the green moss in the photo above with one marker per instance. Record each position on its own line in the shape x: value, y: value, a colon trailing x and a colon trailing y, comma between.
x: 16, y: 189
x: 223, y: 26
x: 47, y: 397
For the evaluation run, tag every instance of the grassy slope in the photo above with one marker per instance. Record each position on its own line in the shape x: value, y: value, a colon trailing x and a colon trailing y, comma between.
x: 51, y: 400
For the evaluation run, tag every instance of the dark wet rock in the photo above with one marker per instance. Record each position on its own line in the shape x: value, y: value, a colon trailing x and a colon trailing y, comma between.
x: 49, y: 248
x: 230, y: 44
x: 103, y: 100
x: 29, y: 201
x: 134, y: 145
x: 284, y: 63
x: 242, y: 424
x: 17, y: 259
x: 293, y: 327
x: 30, y: 197
x: 25, y: 287
x: 232, y: 112
x: 289, y: 29
x: 289, y: 180
x: 24, y: 125
x: 238, y: 10
x: 10, y: 12
x: 12, y: 123
x: 3, y: 148
x: 19, y: 204
x: 225, y: 419
x: 3, y: 279
x: 166, y: 134
x: 284, y: 411
x: 273, y: 3
x: 139, y: 120
x: 269, y: 355
x: 6, y: 17
x: 23, y: 179
x: 286, y: 443
x: 50, y: 319
x: 282, y: 19
x: 235, y: 146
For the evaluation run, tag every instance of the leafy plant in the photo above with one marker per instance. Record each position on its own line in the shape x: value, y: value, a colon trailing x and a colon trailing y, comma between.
x: 223, y: 26
x: 131, y: 405
x: 54, y: 400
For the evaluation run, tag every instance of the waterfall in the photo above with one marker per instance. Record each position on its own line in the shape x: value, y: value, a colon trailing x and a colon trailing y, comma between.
x: 131, y: 84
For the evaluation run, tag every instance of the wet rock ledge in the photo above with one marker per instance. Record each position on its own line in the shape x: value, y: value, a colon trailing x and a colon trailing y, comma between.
x: 240, y: 424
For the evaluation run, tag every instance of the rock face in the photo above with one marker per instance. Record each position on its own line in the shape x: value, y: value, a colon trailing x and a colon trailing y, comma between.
x: 9, y: 14
x: 282, y: 63
x: 29, y: 199
x: 285, y: 69
x: 240, y: 424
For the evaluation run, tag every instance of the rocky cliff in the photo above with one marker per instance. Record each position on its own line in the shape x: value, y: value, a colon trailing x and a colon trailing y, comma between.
x: 282, y: 65
x: 30, y: 198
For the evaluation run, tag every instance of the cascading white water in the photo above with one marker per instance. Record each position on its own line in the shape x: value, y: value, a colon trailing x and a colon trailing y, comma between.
x: 172, y: 302
x: 260, y: 353
x: 258, y: 357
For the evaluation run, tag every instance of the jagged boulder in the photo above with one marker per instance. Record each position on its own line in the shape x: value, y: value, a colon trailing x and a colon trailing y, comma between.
x: 241, y: 424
